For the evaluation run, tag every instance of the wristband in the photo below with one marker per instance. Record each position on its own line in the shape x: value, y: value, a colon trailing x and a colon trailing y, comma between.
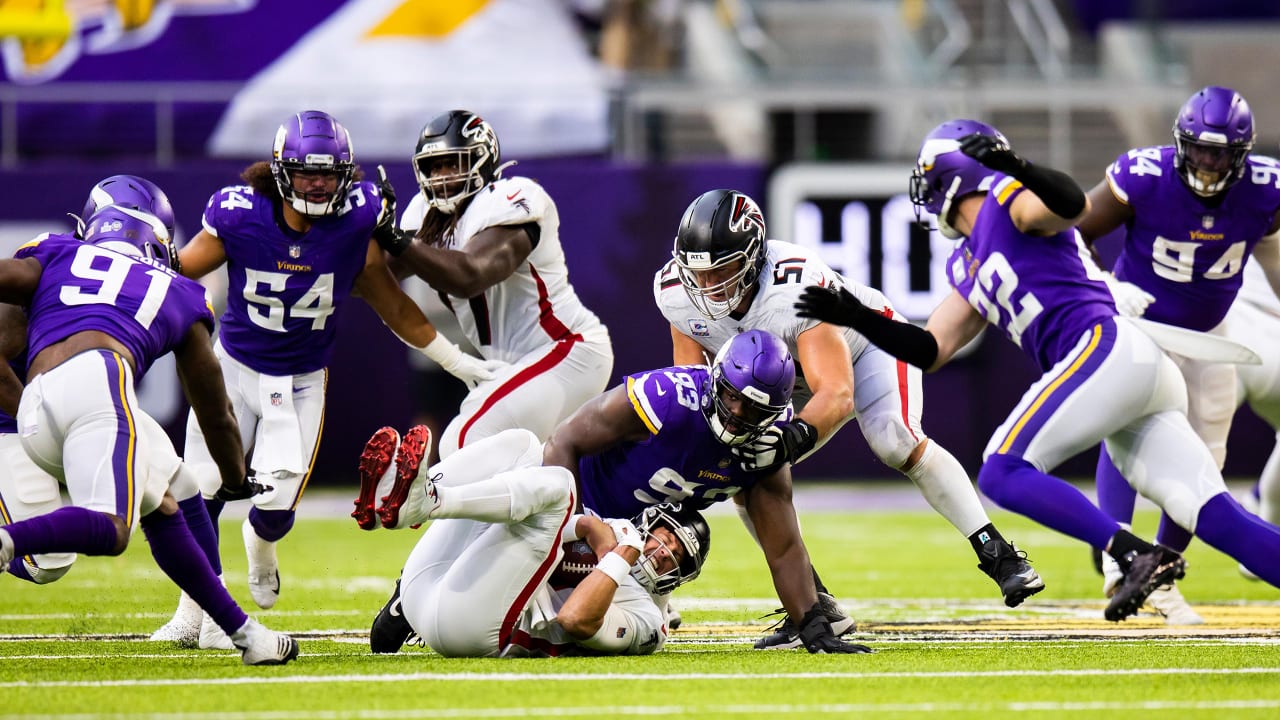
x: 615, y: 566
x: 444, y: 353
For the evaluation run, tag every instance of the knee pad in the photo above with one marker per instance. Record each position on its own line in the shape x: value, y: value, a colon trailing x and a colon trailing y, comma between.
x: 889, y: 438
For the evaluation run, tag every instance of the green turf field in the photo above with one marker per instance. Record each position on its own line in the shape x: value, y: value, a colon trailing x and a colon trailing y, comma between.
x: 946, y: 646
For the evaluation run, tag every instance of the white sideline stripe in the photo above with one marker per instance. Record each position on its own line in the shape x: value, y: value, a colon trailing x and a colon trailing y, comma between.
x: 614, y: 677
x: 690, y: 710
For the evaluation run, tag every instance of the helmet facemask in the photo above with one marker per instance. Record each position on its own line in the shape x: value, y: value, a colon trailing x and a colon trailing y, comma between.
x: 749, y: 386
x: 312, y: 149
x: 754, y: 412
x: 692, y: 538
x: 444, y: 191
x: 1208, y: 168
x: 732, y: 290
x: 1212, y: 138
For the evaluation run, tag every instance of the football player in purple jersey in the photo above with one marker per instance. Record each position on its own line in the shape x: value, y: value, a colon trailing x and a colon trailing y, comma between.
x: 1194, y: 212
x: 296, y: 240
x: 100, y: 312
x: 1020, y: 265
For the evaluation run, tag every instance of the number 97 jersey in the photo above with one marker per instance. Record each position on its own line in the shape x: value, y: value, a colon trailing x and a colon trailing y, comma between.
x: 284, y: 286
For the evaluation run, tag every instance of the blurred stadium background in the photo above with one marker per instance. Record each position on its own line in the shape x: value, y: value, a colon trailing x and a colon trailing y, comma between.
x: 625, y: 110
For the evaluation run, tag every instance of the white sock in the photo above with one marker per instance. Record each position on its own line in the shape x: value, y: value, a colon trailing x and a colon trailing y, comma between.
x: 946, y: 486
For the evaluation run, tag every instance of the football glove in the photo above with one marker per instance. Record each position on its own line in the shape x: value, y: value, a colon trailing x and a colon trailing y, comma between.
x: 775, y: 446
x: 1131, y: 300
x: 992, y: 152
x: 834, y: 305
x: 626, y: 534
x: 467, y: 368
x: 250, y: 488
x: 388, y: 236
x: 817, y: 637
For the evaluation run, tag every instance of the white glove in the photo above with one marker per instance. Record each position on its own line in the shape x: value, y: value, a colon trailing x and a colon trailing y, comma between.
x: 1131, y: 300
x: 627, y: 535
x: 470, y: 370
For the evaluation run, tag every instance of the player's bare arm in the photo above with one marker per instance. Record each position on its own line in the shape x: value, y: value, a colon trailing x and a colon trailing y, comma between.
x: 953, y: 324
x: 604, y: 421
x: 13, y: 338
x: 378, y: 287
x: 203, y: 254
x: 685, y: 350
x: 828, y: 368
x: 201, y: 376
x: 1106, y: 213
x: 492, y: 255
x: 774, y: 517
x: 18, y: 280
x: 584, y: 610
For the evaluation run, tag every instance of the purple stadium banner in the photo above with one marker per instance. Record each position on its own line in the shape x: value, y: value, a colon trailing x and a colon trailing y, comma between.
x: 617, y: 226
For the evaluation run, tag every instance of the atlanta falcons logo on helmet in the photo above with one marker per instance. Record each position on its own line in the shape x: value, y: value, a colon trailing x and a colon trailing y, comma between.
x: 745, y: 213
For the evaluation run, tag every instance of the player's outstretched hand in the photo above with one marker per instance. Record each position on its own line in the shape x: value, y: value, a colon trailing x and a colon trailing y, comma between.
x: 816, y: 634
x: 249, y: 489
x: 626, y: 534
x: 1131, y: 300
x: 389, y: 237
x: 833, y: 305
x: 992, y: 152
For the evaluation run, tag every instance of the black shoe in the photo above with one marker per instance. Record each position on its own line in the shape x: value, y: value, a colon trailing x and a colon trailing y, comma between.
x: 1146, y: 572
x: 1008, y: 566
x: 785, y: 635
x: 390, y: 630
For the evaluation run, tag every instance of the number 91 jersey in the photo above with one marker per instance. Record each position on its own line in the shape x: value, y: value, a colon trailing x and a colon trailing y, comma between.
x: 680, y: 461
x: 788, y: 269
x: 1184, y: 251
x: 284, y: 286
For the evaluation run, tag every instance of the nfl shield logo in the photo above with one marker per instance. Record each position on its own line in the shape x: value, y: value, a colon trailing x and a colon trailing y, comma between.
x: 276, y: 399
x: 295, y: 251
x: 1207, y: 222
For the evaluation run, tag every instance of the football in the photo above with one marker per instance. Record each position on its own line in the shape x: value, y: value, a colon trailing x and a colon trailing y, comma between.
x: 577, y: 563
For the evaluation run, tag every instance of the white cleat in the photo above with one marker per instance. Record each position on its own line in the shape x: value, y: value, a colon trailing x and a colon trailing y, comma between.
x: 1111, y: 575
x: 413, y: 497
x: 1167, y: 601
x: 260, y: 646
x: 1247, y: 574
x: 184, y: 628
x: 6, y: 550
x: 264, y: 570
x: 213, y: 637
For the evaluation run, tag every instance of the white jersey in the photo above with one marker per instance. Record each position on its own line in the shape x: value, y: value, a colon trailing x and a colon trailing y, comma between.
x: 634, y: 624
x: 788, y: 270
x: 536, y: 305
x: 1257, y: 291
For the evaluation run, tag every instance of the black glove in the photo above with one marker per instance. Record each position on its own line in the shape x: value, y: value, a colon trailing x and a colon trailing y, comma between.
x: 249, y: 489
x: 777, y: 445
x: 816, y: 634
x: 992, y: 152
x: 833, y: 305
x: 389, y: 237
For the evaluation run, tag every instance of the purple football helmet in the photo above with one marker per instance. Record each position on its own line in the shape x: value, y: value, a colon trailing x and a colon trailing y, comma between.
x: 312, y: 144
x: 132, y: 192
x: 753, y: 371
x: 943, y: 174
x: 1212, y: 136
x: 463, y: 144
x: 133, y: 232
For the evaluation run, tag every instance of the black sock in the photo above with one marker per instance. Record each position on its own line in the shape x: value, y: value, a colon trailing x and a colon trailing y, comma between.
x: 984, y: 535
x: 817, y: 580
x: 1124, y: 546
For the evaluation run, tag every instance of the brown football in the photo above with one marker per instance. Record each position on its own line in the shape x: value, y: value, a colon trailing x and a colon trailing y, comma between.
x: 577, y: 563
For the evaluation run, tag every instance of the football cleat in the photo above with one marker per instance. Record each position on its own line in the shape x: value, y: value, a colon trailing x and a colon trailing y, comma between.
x: 213, y: 637
x: 1168, y: 602
x: 1245, y: 573
x: 413, y: 496
x: 180, y: 630
x: 377, y: 473
x: 260, y: 646
x: 1147, y: 571
x: 390, y: 630
x: 6, y: 550
x: 1008, y: 566
x: 1112, y: 575
x: 786, y: 636
x: 264, y: 570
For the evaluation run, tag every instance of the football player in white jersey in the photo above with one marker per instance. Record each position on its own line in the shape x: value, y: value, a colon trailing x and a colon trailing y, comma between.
x: 725, y: 277
x: 1254, y: 320
x: 491, y: 247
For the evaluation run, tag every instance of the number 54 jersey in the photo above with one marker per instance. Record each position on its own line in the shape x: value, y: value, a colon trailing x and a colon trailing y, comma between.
x: 146, y: 307
x: 284, y: 286
x: 788, y: 269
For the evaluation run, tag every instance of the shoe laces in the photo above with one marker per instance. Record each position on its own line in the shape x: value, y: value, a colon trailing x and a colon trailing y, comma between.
x: 780, y: 618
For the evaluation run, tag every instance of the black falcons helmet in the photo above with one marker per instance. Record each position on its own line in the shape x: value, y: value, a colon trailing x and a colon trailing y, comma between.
x: 469, y: 141
x: 720, y: 228
x: 690, y: 528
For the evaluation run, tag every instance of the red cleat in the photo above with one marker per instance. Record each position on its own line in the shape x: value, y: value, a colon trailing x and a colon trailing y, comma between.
x: 410, y: 457
x: 375, y: 460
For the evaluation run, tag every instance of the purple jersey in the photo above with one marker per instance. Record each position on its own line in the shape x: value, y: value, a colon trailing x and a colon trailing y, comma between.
x: 1186, y: 250
x: 1042, y: 292
x: 146, y: 307
x: 284, y: 286
x: 681, y: 461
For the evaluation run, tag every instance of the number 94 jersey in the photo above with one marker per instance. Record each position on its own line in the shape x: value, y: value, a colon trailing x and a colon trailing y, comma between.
x: 1184, y: 251
x: 788, y: 269
x: 284, y: 287
x: 680, y: 461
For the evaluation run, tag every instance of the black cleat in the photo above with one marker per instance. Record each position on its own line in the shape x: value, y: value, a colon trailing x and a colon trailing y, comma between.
x: 1008, y: 566
x: 390, y: 630
x: 785, y: 635
x: 1147, y: 571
